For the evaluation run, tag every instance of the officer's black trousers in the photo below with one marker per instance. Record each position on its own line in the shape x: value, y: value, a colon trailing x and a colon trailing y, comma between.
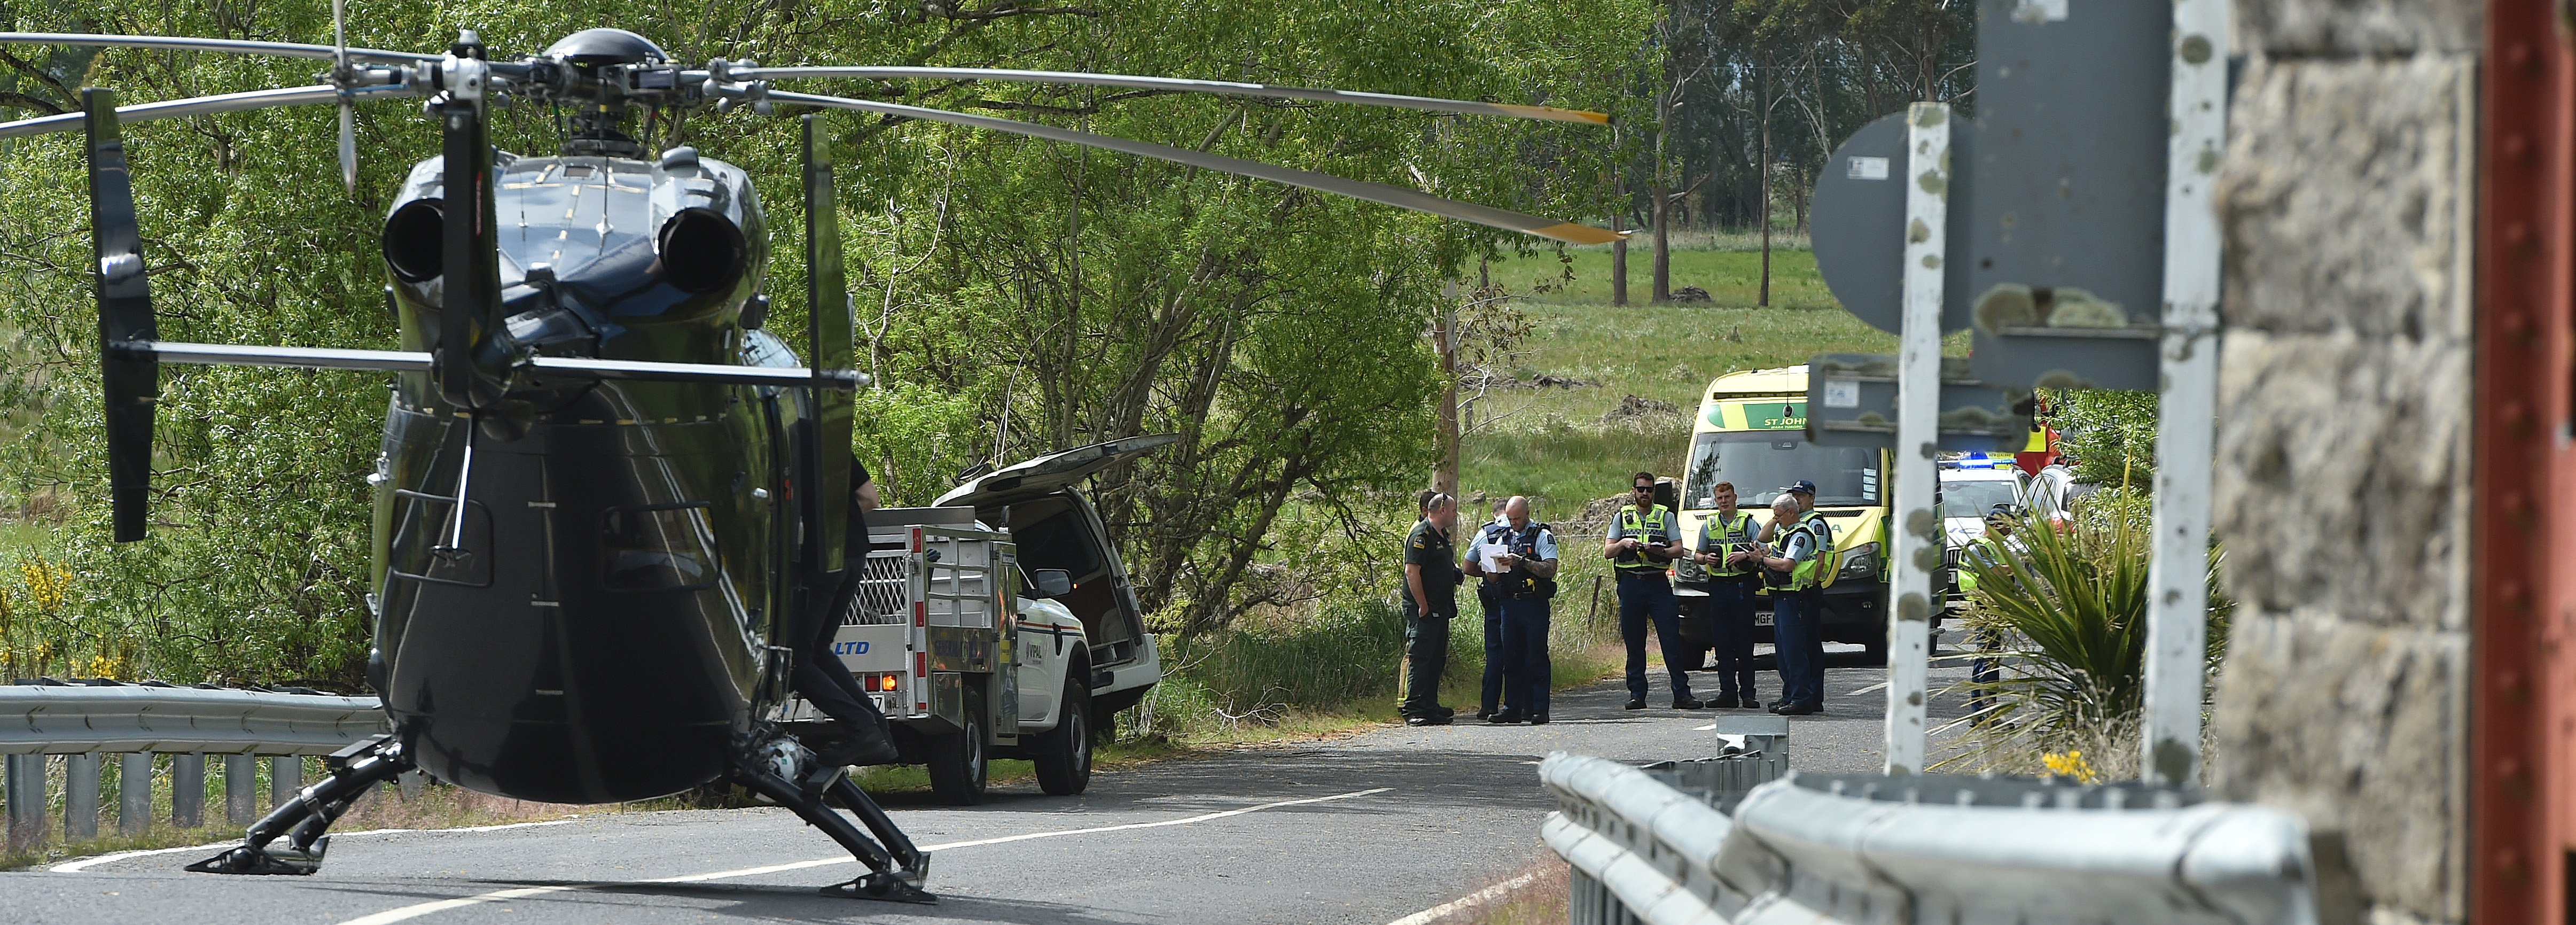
x: 1427, y: 649
x: 1495, y: 662
x: 821, y: 678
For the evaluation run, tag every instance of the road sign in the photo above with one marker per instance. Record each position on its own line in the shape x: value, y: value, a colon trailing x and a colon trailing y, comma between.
x: 2065, y: 242
x: 1851, y: 401
x: 1857, y: 221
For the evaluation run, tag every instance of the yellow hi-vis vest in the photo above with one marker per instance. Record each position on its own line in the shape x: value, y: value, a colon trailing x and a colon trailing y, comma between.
x: 1724, y: 539
x: 1820, y: 569
x: 1653, y: 534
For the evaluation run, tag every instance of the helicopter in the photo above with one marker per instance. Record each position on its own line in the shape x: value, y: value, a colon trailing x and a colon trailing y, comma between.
x: 604, y: 485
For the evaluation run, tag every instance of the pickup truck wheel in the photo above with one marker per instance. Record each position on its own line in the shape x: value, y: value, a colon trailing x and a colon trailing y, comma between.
x: 957, y: 760
x: 1063, y: 755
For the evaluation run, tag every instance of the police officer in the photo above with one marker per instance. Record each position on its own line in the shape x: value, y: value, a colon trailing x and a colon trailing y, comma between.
x: 1995, y: 551
x: 1491, y: 701
x: 1431, y: 580
x: 1522, y: 581
x: 1727, y: 551
x: 1797, y: 599
x: 1643, y: 538
x: 818, y: 675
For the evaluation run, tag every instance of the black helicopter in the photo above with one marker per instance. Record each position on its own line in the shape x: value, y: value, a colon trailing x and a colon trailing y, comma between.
x: 603, y: 486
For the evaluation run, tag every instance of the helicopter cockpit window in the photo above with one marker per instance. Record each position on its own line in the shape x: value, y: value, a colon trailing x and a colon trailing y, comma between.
x: 662, y: 547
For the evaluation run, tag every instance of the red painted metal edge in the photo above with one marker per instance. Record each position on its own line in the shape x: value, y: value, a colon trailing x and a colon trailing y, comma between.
x: 2517, y: 761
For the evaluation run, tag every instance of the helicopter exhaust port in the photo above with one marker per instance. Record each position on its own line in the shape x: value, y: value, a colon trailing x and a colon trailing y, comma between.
x: 702, y: 251
x: 414, y: 240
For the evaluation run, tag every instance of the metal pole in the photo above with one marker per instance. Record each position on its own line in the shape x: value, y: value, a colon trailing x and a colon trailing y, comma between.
x: 80, y: 797
x: 27, y: 798
x: 134, y: 793
x: 1917, y: 556
x: 188, y: 790
x: 2187, y: 407
x: 241, y: 789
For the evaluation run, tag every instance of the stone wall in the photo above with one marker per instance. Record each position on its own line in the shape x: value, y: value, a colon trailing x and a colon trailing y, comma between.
x: 2343, y: 467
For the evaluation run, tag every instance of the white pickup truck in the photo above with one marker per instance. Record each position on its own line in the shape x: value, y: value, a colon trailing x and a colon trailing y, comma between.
x: 1012, y: 641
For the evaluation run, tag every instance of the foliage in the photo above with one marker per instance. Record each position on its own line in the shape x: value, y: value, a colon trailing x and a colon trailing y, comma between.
x: 2110, y: 435
x: 2070, y: 605
x: 1075, y: 295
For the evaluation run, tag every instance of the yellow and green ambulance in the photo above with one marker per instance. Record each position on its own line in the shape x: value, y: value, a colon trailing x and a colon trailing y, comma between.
x: 1751, y: 431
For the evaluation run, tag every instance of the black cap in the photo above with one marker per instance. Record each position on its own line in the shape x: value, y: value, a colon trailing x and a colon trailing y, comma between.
x: 1801, y: 486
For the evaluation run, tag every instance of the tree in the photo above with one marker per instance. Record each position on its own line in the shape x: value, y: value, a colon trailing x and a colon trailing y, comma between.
x: 1026, y: 296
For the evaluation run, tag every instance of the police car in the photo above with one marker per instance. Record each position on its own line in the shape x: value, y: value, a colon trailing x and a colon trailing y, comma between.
x: 1971, y: 485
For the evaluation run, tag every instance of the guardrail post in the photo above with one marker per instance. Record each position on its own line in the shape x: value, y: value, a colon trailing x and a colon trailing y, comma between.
x: 188, y: 790
x: 80, y: 797
x: 26, y: 792
x: 134, y: 792
x: 241, y: 789
x: 285, y: 777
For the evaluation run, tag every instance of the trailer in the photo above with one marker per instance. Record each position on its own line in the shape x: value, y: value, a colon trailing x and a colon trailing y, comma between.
x: 966, y: 655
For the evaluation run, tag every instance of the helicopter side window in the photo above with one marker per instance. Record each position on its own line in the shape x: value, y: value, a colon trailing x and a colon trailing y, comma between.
x: 424, y: 529
x: 660, y: 547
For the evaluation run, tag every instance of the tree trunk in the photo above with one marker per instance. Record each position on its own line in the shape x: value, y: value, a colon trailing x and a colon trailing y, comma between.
x: 1661, y: 212
x: 1446, y: 334
x: 1619, y: 248
x: 1763, y: 163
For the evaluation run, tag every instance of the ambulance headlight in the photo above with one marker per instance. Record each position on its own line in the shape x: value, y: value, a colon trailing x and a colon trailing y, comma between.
x: 1860, y: 562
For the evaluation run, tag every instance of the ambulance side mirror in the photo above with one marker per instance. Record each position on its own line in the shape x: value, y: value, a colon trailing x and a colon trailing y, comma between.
x: 1049, y: 583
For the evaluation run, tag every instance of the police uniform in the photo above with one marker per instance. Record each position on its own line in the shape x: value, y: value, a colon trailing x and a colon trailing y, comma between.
x: 1491, y: 700
x: 1427, y: 633
x: 1985, y: 673
x: 1521, y: 597
x: 1730, y: 605
x: 1646, y: 594
x: 819, y: 675
x: 1797, y: 613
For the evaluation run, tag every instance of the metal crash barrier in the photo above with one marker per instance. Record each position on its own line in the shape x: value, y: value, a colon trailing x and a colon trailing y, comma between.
x: 81, y: 722
x: 1814, y: 848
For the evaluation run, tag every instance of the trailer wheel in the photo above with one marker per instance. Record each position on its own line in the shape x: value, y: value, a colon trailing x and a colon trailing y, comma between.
x: 1063, y: 755
x: 957, y: 760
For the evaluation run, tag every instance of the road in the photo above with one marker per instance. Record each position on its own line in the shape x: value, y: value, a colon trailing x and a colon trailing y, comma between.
x: 1365, y: 829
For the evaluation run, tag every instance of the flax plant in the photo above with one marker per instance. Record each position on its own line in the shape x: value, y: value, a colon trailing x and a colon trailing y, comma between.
x: 2070, y: 604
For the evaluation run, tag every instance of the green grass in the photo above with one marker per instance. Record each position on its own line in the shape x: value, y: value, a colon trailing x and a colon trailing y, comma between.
x: 1555, y: 445
x: 1732, y: 277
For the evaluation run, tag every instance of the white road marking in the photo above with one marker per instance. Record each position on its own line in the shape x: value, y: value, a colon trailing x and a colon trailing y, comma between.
x: 407, y: 913
x: 1704, y: 728
x: 1872, y: 689
x: 73, y: 867
x: 1469, y: 901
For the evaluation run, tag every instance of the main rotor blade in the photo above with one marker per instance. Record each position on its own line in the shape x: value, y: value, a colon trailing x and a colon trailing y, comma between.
x: 1396, y: 196
x: 1223, y: 87
x: 131, y: 386
x: 201, y: 105
x: 236, y: 46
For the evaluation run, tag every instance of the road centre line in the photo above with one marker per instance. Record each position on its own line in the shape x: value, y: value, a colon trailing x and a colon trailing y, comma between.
x: 407, y: 913
x: 74, y: 867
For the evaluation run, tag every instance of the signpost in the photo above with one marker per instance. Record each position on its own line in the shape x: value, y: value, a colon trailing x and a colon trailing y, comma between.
x: 2083, y: 253
x: 2187, y: 409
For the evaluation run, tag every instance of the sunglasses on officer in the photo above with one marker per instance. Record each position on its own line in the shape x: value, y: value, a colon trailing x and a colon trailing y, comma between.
x: 1646, y: 489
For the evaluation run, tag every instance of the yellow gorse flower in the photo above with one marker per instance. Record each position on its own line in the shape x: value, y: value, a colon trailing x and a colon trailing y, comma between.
x: 2070, y: 764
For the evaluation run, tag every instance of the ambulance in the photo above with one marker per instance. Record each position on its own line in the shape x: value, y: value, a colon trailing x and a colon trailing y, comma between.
x: 1751, y: 432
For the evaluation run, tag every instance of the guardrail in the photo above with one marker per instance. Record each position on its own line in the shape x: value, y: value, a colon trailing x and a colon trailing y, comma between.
x: 48, y: 723
x: 1813, y: 848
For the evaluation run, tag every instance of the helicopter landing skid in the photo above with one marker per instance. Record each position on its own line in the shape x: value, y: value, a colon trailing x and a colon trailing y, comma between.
x: 306, y: 819
x: 892, y: 877
x: 881, y: 885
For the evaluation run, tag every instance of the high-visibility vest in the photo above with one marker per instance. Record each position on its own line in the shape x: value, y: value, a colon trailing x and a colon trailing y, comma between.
x: 1729, y: 533
x: 1821, y: 568
x: 1651, y: 534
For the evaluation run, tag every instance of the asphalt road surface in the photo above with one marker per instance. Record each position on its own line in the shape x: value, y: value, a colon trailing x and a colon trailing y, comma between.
x: 1366, y: 829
